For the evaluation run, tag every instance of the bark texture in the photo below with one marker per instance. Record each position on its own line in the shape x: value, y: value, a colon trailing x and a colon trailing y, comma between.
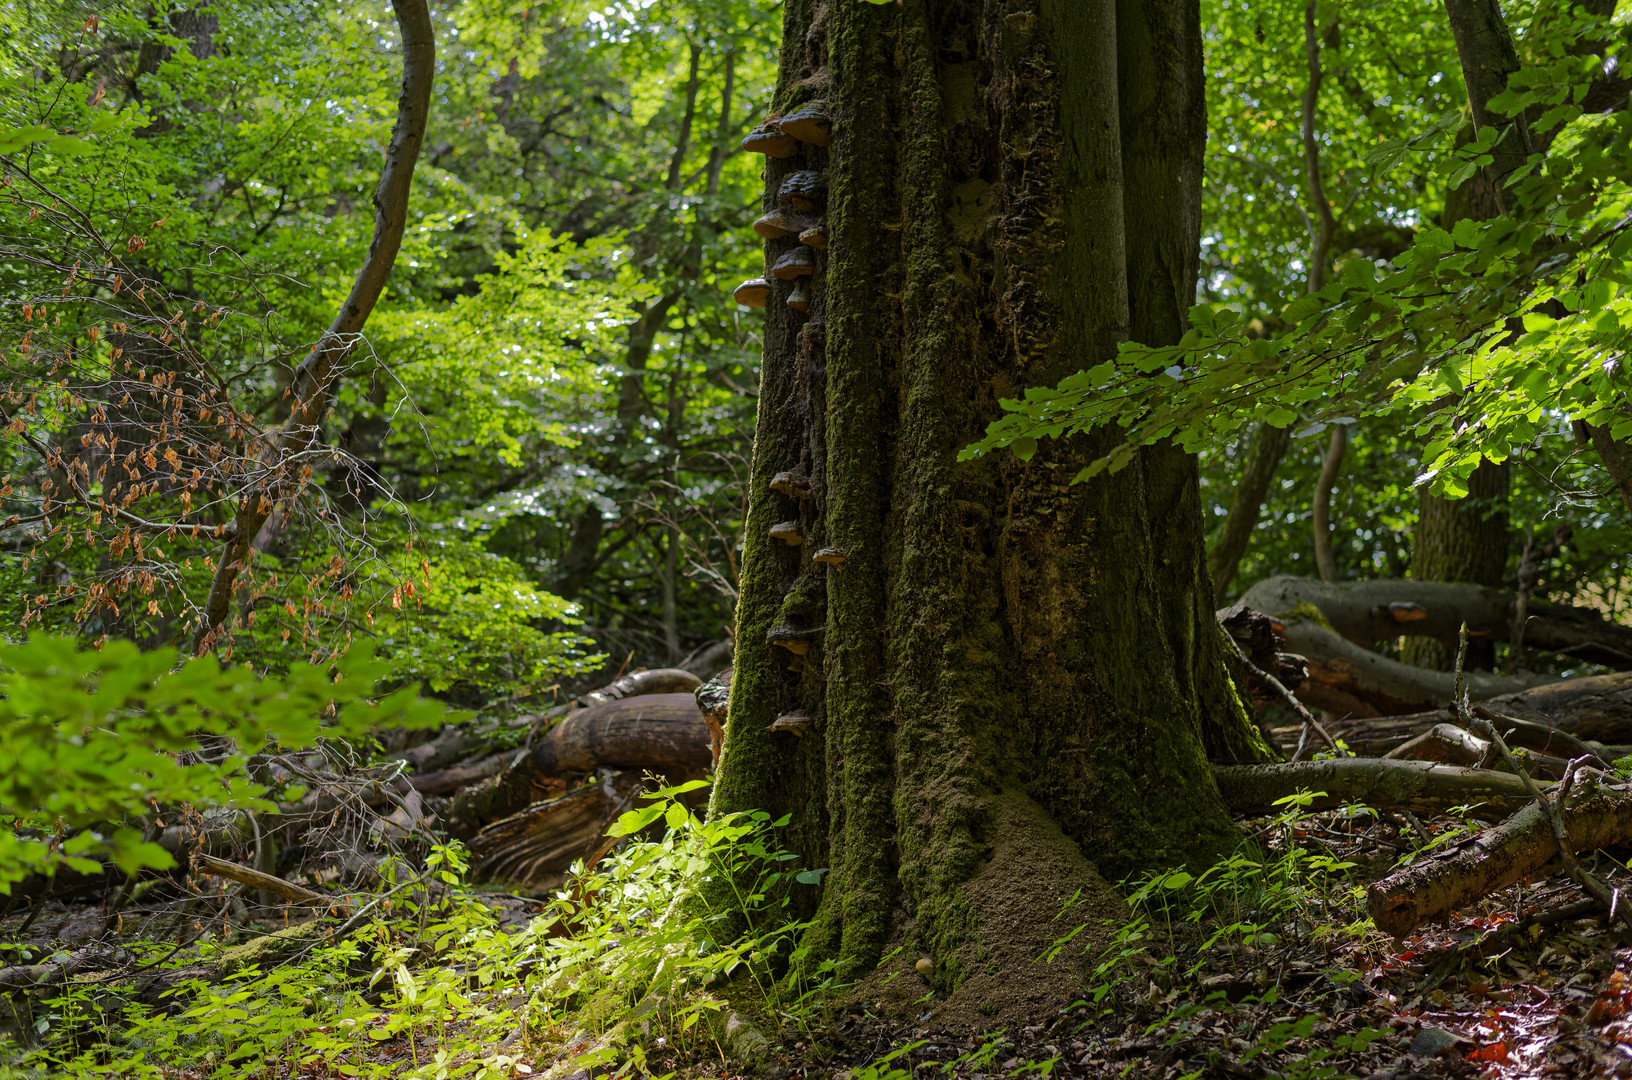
x: 1462, y: 540
x: 1007, y: 673
x: 1465, y: 873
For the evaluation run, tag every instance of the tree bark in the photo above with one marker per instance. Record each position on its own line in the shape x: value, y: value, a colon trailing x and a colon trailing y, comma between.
x: 1349, y: 680
x: 1466, y: 539
x: 1597, y: 708
x: 1005, y: 674
x: 314, y: 380
x: 1424, y: 786
x: 1462, y: 540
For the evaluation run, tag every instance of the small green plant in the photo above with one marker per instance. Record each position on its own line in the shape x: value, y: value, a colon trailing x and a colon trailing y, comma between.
x: 95, y: 738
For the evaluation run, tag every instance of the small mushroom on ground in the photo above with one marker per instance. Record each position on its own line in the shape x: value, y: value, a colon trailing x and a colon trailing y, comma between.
x: 799, y: 299
x: 753, y: 292
x: 803, y: 191
x: 810, y: 124
x: 798, y: 263
x: 788, y: 532
x: 798, y: 723
x: 781, y: 223
x: 925, y: 966
x: 815, y: 236
x: 770, y: 140
x: 789, y: 638
x: 832, y: 556
x: 792, y: 483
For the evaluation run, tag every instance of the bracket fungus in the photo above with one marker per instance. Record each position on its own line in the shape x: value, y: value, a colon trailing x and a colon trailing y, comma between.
x: 815, y: 236
x: 787, y: 637
x: 789, y: 533
x: 792, y: 483
x: 803, y: 191
x: 810, y: 124
x: 798, y: 263
x: 798, y: 723
x: 753, y: 292
x: 832, y: 556
x: 799, y: 299
x: 769, y: 139
x: 780, y: 224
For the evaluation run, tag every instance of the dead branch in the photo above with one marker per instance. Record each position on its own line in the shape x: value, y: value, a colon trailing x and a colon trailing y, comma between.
x: 1520, y: 848
x: 1388, y: 785
x: 299, y: 894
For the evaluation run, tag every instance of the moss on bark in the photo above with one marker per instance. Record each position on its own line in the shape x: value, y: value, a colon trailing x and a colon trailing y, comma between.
x: 1015, y: 671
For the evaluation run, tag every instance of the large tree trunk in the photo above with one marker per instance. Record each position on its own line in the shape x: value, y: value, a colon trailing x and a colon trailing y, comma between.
x: 1007, y: 673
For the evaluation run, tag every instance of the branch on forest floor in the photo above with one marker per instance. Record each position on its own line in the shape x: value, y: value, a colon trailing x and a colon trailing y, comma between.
x: 1379, y: 782
x: 299, y: 894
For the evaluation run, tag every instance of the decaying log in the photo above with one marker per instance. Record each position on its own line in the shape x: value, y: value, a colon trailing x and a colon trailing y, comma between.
x: 445, y: 781
x: 661, y: 732
x: 1366, y: 612
x: 537, y: 844
x: 450, y: 744
x: 1261, y: 641
x: 1596, y: 710
x: 642, y: 683
x: 1517, y: 849
x: 1388, y: 785
x: 713, y: 701
x: 1351, y: 680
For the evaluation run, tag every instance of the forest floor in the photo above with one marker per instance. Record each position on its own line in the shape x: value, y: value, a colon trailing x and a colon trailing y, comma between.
x: 1535, y: 983
x: 1262, y: 967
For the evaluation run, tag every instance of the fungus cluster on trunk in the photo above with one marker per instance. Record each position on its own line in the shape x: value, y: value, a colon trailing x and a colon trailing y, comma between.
x: 795, y: 233
x: 800, y: 198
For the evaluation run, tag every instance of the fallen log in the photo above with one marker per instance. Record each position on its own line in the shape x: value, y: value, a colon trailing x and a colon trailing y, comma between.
x: 1517, y: 849
x: 664, y: 734
x: 1366, y: 612
x: 446, y: 781
x: 1596, y: 710
x: 1423, y: 786
x: 536, y: 845
x: 1347, y: 679
x: 661, y: 732
x: 643, y: 683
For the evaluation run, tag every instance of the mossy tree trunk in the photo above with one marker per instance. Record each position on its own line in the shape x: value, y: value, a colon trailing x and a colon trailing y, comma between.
x: 1014, y: 680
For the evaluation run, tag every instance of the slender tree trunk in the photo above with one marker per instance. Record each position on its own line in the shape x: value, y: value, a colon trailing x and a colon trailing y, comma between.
x: 1269, y: 444
x: 1325, y: 563
x: 1467, y: 539
x: 314, y: 380
x: 1011, y: 676
x: 1264, y: 454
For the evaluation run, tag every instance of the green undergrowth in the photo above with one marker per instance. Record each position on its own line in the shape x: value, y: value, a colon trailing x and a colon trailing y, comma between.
x: 1208, y: 949
x: 625, y: 969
